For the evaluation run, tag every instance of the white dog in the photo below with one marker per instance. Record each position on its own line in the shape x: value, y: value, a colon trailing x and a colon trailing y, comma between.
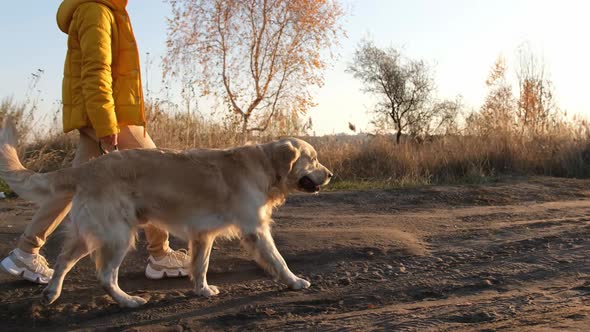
x: 196, y: 195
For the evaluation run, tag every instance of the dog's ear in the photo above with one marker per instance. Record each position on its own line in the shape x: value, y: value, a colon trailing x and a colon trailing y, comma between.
x: 284, y: 155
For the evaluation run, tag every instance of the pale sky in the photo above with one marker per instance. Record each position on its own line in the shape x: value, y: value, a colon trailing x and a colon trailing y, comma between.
x: 461, y: 38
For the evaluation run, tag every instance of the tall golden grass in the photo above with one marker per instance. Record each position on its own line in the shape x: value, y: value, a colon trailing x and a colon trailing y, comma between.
x: 361, y: 161
x: 378, y: 161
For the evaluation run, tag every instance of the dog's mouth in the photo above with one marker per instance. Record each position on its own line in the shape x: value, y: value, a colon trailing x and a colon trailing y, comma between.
x: 307, y: 184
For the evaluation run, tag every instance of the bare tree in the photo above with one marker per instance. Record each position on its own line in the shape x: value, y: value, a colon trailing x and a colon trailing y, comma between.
x: 404, y: 86
x: 536, y: 105
x: 497, y: 114
x: 259, y: 57
x: 444, y: 117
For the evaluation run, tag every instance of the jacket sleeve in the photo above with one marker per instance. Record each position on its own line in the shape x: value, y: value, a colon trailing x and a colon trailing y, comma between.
x: 94, y: 33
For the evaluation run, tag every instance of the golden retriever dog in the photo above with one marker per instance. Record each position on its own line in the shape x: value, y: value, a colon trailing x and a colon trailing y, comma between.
x: 196, y: 195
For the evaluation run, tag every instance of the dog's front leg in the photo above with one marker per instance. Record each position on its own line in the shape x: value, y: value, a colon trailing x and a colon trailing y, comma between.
x: 262, y: 247
x: 200, y: 252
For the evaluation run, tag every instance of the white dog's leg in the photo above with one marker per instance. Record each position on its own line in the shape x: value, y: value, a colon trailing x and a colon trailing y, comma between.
x: 74, y: 250
x: 200, y: 252
x: 261, y: 245
x: 109, y: 257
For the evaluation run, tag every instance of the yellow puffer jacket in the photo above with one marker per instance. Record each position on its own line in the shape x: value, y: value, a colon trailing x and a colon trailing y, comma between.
x: 102, y: 78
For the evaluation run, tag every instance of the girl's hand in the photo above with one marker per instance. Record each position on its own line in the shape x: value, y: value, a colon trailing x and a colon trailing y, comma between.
x: 110, y: 140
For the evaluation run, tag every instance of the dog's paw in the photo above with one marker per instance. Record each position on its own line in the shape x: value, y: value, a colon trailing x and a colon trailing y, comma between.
x: 133, y: 302
x: 299, y: 284
x: 48, y: 297
x: 207, y: 291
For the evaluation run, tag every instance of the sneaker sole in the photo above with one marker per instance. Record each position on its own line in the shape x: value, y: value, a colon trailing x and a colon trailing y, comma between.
x: 151, y: 273
x: 11, y: 268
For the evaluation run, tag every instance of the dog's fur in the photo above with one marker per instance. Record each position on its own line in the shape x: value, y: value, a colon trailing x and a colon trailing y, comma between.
x: 196, y: 195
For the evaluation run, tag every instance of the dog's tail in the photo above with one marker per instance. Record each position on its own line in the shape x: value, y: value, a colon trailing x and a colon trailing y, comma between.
x: 27, y: 184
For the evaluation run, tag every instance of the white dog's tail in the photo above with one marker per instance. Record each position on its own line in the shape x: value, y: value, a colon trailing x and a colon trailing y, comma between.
x: 27, y: 184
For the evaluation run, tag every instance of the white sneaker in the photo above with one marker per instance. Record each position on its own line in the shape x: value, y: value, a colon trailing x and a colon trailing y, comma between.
x: 174, y: 264
x: 31, y: 267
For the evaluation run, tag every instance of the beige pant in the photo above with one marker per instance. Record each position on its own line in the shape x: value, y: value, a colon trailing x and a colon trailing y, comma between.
x: 52, y: 212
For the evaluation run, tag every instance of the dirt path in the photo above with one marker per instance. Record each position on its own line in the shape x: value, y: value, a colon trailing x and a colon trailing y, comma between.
x: 510, y: 255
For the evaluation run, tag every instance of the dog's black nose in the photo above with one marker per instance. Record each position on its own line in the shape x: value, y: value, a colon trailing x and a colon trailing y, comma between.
x: 330, y: 175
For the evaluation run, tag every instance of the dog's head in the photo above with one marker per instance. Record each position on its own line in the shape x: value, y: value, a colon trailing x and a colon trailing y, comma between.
x: 297, y: 167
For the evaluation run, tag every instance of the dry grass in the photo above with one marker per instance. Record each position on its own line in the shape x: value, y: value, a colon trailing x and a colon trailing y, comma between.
x: 378, y: 161
x: 362, y: 161
x: 176, y: 130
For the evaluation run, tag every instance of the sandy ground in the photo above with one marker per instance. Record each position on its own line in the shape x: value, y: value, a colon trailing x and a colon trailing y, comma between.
x: 510, y: 255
